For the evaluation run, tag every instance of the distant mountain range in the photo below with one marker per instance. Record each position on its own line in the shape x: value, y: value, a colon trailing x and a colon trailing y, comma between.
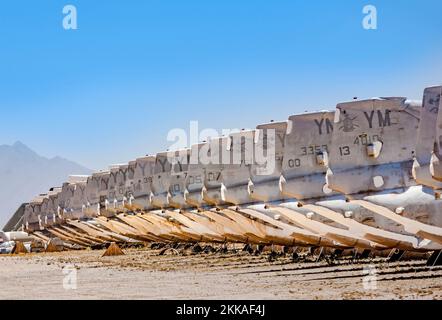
x: 24, y: 174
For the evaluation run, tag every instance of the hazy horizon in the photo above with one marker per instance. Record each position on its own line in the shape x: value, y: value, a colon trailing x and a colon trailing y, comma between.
x: 24, y: 174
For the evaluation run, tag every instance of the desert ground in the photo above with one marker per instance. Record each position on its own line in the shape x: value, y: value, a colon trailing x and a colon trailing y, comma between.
x: 145, y: 274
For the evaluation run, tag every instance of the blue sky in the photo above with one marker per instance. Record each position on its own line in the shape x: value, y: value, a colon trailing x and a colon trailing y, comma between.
x: 111, y: 90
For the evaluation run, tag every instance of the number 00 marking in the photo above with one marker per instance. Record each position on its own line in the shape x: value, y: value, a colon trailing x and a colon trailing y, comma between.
x: 294, y: 163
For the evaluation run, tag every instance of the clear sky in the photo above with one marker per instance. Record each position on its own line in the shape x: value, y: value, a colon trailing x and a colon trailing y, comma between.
x: 111, y: 90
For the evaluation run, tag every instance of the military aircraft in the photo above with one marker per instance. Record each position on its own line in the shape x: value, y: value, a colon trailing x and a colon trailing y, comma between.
x: 366, y: 176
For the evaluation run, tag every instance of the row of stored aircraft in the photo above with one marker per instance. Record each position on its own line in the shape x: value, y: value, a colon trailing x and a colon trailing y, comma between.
x: 365, y: 176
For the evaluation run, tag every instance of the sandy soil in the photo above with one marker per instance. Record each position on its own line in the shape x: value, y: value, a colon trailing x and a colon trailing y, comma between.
x: 144, y: 274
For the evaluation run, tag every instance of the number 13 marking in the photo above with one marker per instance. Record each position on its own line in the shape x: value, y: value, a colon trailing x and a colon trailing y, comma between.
x: 344, y: 151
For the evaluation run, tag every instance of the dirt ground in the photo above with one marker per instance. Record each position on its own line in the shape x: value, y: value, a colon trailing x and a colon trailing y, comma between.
x: 144, y: 274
